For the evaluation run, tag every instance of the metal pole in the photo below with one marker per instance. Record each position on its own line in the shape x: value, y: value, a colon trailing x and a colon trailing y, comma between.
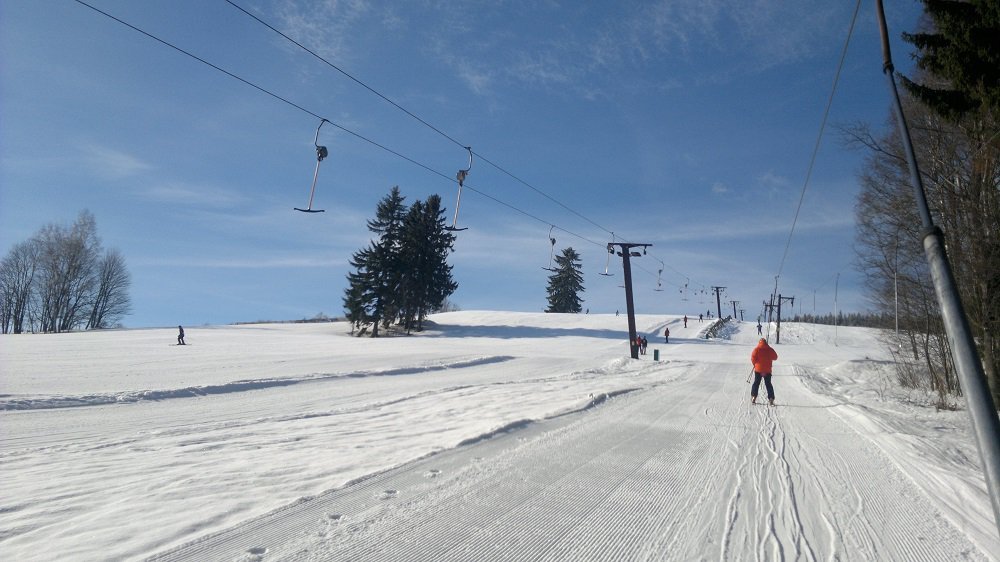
x: 718, y: 301
x: 895, y: 290
x: 836, y: 313
x: 979, y: 402
x: 629, y: 306
x: 777, y: 330
x: 626, y: 249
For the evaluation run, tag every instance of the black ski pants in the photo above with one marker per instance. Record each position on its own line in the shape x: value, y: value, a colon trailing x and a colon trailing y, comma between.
x: 767, y: 384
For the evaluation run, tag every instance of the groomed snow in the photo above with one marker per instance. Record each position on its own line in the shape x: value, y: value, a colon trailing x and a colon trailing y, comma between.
x: 490, y: 436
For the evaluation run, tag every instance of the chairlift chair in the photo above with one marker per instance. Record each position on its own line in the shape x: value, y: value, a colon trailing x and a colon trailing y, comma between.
x: 551, y: 251
x: 460, y: 176
x: 321, y: 153
x: 611, y: 251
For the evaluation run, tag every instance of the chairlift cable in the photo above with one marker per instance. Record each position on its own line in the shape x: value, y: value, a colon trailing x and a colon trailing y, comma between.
x: 411, y: 114
x: 819, y: 138
x: 345, y: 73
x: 358, y: 135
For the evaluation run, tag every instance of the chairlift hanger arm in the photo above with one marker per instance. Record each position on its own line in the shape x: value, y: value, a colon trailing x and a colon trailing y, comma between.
x: 460, y: 176
x: 321, y: 154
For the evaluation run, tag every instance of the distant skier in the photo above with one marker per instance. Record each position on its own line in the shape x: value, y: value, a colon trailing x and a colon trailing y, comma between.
x: 759, y: 329
x: 666, y: 335
x: 645, y: 343
x: 761, y: 357
x: 180, y: 335
x: 701, y: 317
x: 685, y: 321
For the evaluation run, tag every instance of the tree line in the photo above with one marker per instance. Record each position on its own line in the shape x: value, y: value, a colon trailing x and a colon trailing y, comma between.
x: 62, y: 279
x: 859, y: 319
x: 952, y: 104
x: 403, y: 274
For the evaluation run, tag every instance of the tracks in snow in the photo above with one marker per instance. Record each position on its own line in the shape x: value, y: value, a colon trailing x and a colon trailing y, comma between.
x: 656, y: 475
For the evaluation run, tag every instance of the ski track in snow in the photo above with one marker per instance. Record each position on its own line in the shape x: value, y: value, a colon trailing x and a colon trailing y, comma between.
x: 653, y: 475
x: 662, y: 461
x: 16, y: 402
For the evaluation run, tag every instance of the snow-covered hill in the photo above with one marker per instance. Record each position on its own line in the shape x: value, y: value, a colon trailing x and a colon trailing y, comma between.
x: 491, y: 436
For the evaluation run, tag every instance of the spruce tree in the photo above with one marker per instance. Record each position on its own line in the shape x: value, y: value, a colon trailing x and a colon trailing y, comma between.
x: 404, y: 274
x: 356, y: 298
x: 371, y: 292
x: 566, y: 283
x: 963, y: 51
x: 441, y: 244
x: 426, y: 280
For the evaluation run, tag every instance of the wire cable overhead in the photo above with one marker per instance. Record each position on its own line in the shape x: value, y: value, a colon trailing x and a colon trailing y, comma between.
x: 372, y: 142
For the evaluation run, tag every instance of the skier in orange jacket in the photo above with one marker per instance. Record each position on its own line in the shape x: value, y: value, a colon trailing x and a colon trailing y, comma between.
x: 762, y: 357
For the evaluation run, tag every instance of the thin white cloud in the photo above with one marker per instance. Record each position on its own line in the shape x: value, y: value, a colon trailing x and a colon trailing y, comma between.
x: 110, y: 163
x: 195, y: 195
x: 243, y: 263
x: 479, y: 81
x: 329, y: 27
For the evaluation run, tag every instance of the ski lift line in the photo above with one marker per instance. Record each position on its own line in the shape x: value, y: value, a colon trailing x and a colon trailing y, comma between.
x: 265, y: 91
x: 199, y: 59
x: 345, y: 73
x: 539, y: 191
x: 411, y: 114
x: 819, y: 136
x: 337, y: 125
x: 637, y: 266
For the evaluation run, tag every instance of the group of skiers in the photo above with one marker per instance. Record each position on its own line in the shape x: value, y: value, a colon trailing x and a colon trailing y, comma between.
x: 641, y: 342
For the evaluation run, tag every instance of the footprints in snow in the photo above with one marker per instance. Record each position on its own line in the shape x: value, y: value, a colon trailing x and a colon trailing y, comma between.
x: 254, y: 554
x: 333, y: 519
x: 390, y: 494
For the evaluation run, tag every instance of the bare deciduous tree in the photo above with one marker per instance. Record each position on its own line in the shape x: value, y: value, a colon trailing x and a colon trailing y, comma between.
x: 111, y: 300
x: 960, y: 166
x: 17, y: 275
x: 62, y: 280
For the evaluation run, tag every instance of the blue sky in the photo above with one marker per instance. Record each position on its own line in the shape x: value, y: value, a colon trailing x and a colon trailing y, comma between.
x: 685, y: 124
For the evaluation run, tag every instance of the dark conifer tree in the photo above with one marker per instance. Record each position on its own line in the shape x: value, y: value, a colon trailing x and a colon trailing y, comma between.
x: 426, y: 280
x: 404, y: 274
x: 356, y: 295
x: 373, y: 286
x: 962, y: 49
x: 566, y: 283
x: 441, y: 244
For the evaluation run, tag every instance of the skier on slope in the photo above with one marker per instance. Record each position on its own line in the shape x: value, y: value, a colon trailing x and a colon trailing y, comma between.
x: 761, y: 357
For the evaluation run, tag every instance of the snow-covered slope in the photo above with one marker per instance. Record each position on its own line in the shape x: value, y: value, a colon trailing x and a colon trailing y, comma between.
x: 492, y: 435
